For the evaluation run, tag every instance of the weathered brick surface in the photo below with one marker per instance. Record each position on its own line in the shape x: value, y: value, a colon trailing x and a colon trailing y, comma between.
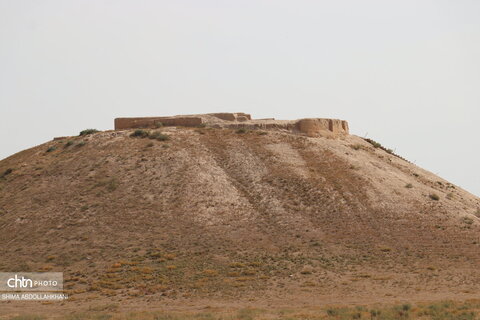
x: 322, y: 127
x: 312, y: 127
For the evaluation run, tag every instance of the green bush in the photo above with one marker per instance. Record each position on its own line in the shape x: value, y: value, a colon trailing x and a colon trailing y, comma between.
x: 241, y: 131
x: 140, y: 133
x: 51, y: 149
x: 356, y: 146
x: 434, y: 196
x: 158, y: 136
x: 88, y: 131
x: 374, y: 143
x: 68, y: 144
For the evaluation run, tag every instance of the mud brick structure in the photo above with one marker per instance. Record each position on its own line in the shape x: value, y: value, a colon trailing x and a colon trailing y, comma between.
x: 312, y: 127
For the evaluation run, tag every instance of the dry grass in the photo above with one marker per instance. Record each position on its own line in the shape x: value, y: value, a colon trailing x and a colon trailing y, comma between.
x: 442, y: 310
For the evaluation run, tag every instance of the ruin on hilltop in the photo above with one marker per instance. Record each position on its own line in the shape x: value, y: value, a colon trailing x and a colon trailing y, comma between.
x: 312, y: 127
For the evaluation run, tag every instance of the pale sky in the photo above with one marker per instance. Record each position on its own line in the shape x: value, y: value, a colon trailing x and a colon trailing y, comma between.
x: 406, y: 72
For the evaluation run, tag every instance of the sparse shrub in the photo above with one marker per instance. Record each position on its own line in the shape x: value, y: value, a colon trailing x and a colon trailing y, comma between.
x: 51, y: 149
x: 408, y: 186
x: 262, y: 133
x: 374, y: 313
x: 406, y: 307
x: 88, y: 131
x: 158, y: 124
x: 68, y: 143
x: 140, y: 133
x: 241, y: 131
x: 374, y: 143
x: 158, y: 136
x: 332, y: 312
x: 377, y: 145
x: 356, y: 146
x: 467, y: 220
x: 357, y: 315
x: 450, y: 196
x: 6, y: 172
x: 245, y: 314
x: 110, y: 184
x: 434, y: 196
x: 81, y: 144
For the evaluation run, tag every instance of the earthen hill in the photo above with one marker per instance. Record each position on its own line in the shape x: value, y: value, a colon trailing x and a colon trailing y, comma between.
x: 224, y: 210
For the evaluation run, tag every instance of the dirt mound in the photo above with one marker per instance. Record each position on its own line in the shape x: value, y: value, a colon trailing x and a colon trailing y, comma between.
x: 223, y: 215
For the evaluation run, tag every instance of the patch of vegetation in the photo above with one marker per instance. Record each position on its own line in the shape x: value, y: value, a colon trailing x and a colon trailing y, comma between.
x: 356, y: 146
x: 374, y: 143
x: 377, y: 145
x: 81, y: 144
x: 467, y: 220
x: 88, y: 131
x: 6, y: 173
x: 262, y: 133
x: 68, y: 144
x: 27, y: 317
x: 434, y: 196
x: 140, y: 133
x: 157, y: 135
x: 241, y: 131
x: 409, y: 186
x: 51, y: 149
x: 443, y: 310
x: 158, y: 124
x: 110, y: 184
